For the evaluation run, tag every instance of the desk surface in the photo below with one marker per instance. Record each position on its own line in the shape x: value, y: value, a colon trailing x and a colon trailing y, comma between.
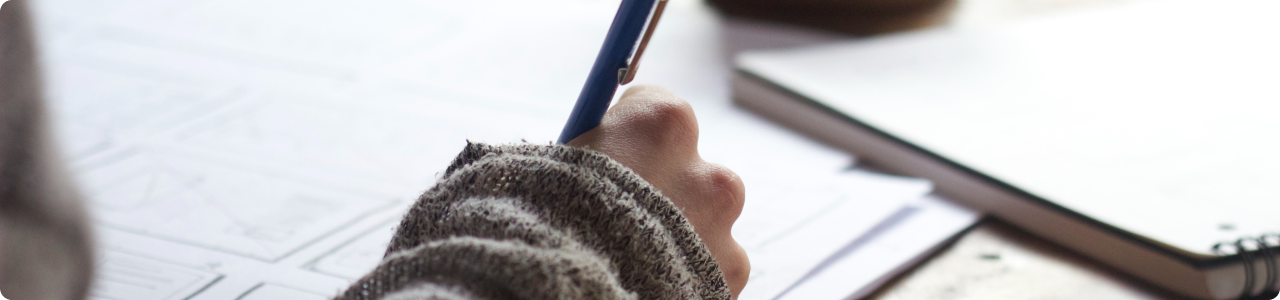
x: 997, y: 261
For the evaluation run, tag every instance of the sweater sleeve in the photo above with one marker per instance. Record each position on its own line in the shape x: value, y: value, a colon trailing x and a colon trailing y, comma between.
x: 542, y: 222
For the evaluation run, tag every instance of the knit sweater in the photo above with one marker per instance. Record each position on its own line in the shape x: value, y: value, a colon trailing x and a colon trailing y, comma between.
x: 542, y: 222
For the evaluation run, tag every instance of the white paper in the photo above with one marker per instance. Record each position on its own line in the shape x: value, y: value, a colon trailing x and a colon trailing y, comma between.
x: 125, y: 276
x: 863, y: 265
x: 209, y: 203
x: 790, y: 233
x: 359, y: 256
x: 271, y: 291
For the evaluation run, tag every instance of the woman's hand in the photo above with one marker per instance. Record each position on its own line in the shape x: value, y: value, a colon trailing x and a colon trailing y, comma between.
x: 655, y: 134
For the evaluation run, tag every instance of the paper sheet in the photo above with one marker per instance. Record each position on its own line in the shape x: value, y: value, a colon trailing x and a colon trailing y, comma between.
x: 125, y: 276
x: 788, y: 233
x: 892, y: 247
x: 266, y: 149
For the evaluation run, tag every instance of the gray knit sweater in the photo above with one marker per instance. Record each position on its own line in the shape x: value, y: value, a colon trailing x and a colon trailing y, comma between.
x: 542, y: 222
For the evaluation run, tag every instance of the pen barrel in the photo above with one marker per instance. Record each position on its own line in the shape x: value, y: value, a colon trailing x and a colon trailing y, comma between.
x: 602, y: 82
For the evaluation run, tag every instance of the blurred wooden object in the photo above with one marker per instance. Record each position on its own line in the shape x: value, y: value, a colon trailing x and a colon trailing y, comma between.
x: 873, y: 17
x: 997, y: 261
x: 857, y: 17
x: 986, y: 12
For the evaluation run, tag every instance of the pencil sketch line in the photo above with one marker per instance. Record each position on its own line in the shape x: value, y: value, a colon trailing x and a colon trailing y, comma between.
x: 191, y: 186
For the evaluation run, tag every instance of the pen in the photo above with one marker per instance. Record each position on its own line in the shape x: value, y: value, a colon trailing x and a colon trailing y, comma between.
x: 615, y: 65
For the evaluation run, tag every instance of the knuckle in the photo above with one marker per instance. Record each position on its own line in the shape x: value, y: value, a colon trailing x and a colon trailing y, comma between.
x: 728, y: 191
x: 734, y: 264
x: 671, y: 109
x: 665, y: 120
x: 737, y: 272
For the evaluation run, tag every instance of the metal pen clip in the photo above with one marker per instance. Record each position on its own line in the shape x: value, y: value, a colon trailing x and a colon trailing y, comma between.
x: 625, y: 75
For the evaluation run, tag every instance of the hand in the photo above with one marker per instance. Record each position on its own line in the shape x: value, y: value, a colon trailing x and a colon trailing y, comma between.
x: 655, y: 134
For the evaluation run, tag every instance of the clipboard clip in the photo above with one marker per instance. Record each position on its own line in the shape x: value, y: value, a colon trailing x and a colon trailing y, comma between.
x: 626, y: 74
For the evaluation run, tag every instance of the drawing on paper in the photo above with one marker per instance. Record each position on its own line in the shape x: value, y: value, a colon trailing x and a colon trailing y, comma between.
x: 357, y: 257
x: 267, y: 291
x: 218, y: 206
x: 123, y: 276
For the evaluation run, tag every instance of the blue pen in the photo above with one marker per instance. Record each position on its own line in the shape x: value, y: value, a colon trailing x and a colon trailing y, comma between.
x: 615, y: 64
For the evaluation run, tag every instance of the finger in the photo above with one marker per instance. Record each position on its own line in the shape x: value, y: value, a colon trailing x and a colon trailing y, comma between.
x: 649, y: 130
x: 735, y: 265
x: 712, y: 200
x: 732, y: 258
x: 656, y: 117
x: 645, y: 114
x: 719, y: 195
